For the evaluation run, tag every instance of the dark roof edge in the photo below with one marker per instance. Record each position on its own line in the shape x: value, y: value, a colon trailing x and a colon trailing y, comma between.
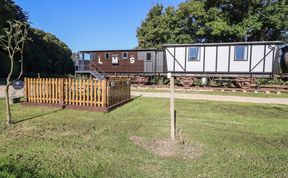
x: 224, y: 44
x: 120, y: 50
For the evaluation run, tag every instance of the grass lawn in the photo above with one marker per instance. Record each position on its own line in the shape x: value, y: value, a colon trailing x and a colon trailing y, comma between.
x: 238, y: 140
x: 226, y: 93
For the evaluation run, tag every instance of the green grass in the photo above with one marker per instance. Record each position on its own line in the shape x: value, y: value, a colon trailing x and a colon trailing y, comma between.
x: 226, y: 93
x: 238, y: 140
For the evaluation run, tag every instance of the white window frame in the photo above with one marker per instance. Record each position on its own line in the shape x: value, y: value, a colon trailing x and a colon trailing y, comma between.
x: 105, y: 55
x: 245, y: 53
x: 198, y: 54
x: 126, y: 55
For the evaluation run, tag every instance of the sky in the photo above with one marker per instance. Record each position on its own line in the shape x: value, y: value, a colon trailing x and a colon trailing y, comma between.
x: 91, y: 24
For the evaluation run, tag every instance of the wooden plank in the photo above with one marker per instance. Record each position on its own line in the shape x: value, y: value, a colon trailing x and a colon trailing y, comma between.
x: 56, y: 90
x: 79, y: 93
x: 49, y: 91
x: 25, y: 89
x: 87, y: 92
x: 108, y: 94
x: 40, y: 91
x: 27, y: 85
x: 91, y: 92
x: 69, y: 91
x: 28, y: 90
x: 61, y: 91
x: 37, y: 90
x: 95, y: 92
x: 66, y: 91
x: 73, y: 92
x: 98, y: 93
x: 104, y: 90
x: 172, y: 111
x: 46, y: 91
x: 83, y: 92
x: 53, y: 91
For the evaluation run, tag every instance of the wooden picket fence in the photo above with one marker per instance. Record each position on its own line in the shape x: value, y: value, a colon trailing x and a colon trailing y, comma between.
x: 77, y: 92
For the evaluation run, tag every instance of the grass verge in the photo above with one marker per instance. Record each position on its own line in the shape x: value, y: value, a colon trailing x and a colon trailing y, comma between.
x: 226, y: 93
x: 238, y: 140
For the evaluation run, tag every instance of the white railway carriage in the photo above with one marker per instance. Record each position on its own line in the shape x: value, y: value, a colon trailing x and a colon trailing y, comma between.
x: 240, y: 59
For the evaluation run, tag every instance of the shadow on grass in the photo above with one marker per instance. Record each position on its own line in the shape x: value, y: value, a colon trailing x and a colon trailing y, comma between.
x: 11, y: 170
x: 40, y: 115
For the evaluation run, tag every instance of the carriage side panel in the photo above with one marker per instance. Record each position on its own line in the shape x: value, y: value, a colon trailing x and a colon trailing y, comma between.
x: 223, y: 59
x: 210, y: 61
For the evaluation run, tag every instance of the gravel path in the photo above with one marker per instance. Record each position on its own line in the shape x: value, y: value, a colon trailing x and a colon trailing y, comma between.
x: 214, y: 97
x: 193, y: 97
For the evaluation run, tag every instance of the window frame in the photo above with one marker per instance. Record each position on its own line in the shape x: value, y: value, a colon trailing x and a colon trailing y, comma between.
x: 93, y: 56
x: 198, y: 59
x: 245, y: 55
x: 150, y: 56
x: 105, y: 55
x: 126, y: 55
x: 87, y: 56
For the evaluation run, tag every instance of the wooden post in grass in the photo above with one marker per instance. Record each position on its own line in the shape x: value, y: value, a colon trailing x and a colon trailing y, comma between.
x: 172, y: 109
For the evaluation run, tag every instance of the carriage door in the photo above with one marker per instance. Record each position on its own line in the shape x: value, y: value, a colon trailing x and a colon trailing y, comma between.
x: 115, y: 59
x: 148, y: 67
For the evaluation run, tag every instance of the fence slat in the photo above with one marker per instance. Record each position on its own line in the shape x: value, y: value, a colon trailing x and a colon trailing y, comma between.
x: 98, y: 93
x: 95, y: 92
x: 104, y: 90
x: 87, y: 92
x: 77, y: 91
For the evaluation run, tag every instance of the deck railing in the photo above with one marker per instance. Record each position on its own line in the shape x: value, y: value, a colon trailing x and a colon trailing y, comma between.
x: 77, y: 92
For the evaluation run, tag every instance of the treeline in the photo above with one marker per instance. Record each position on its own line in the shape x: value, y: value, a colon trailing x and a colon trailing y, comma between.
x: 44, y: 54
x: 214, y: 21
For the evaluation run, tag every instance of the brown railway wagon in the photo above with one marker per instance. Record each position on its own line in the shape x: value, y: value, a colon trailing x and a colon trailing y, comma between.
x: 117, y: 62
x: 123, y: 61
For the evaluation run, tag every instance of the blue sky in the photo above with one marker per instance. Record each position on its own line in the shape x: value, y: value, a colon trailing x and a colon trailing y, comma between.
x: 91, y: 24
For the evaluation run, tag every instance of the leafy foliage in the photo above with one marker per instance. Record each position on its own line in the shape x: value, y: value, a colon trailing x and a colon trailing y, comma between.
x: 214, y: 21
x: 45, y: 54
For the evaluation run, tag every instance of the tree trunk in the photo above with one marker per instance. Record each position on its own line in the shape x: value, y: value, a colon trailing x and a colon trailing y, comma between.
x: 8, y: 112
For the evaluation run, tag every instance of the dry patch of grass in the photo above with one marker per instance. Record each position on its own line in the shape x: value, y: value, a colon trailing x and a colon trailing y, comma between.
x: 168, y: 148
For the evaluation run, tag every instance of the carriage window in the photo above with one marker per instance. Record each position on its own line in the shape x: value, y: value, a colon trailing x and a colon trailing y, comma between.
x: 125, y: 55
x: 241, y: 53
x: 107, y: 55
x: 87, y: 56
x: 93, y: 56
x: 193, y: 54
x: 148, y: 57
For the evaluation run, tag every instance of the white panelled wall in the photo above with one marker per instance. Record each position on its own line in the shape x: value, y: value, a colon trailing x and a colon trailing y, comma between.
x: 221, y: 58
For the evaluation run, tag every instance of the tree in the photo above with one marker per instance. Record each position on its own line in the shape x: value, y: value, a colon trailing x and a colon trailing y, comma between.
x: 215, y: 21
x: 13, y: 43
x: 151, y: 33
x: 46, y: 55
x: 8, y: 11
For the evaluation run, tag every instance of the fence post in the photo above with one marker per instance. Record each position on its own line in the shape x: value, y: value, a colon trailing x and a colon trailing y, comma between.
x: 104, y: 92
x: 26, y: 89
x: 108, y: 93
x: 61, y: 92
x: 172, y: 110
